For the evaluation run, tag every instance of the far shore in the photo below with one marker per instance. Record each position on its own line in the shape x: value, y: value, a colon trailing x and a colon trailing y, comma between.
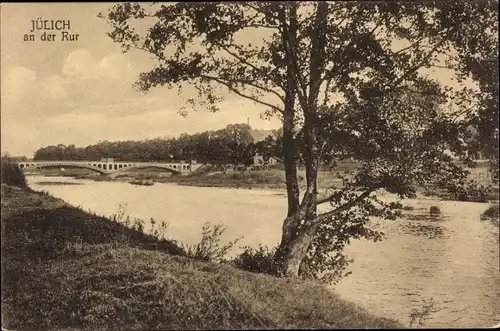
x: 272, y: 179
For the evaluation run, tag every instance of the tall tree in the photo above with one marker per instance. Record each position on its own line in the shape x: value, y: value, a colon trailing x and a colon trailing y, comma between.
x: 343, y: 78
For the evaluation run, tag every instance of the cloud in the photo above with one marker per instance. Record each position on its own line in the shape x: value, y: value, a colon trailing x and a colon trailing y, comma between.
x: 115, y: 66
x: 17, y: 84
x: 53, y: 87
x: 79, y: 64
x: 91, y: 99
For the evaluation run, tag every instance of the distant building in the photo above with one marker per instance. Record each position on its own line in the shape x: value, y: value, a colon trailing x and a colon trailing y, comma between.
x: 258, y: 160
x: 104, y: 159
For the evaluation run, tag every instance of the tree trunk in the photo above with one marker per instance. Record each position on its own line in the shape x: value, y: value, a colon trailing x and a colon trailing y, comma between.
x: 299, y: 227
x: 289, y: 146
x: 290, y: 225
x: 291, y: 252
x: 289, y: 149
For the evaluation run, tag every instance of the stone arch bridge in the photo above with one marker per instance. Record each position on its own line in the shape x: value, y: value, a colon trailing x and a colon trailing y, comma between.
x: 108, y: 167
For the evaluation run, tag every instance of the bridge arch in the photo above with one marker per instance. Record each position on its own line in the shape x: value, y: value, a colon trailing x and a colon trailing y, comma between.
x: 108, y: 167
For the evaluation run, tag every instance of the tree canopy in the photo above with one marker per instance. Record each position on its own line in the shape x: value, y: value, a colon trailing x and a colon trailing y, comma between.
x: 347, y: 79
x: 232, y: 145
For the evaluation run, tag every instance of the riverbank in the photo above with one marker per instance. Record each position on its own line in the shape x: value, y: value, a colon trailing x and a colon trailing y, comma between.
x: 274, y: 179
x: 66, y: 269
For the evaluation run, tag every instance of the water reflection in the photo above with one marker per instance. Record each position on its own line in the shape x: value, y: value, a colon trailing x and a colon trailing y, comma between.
x: 423, y: 217
x: 428, y: 231
x: 424, y: 224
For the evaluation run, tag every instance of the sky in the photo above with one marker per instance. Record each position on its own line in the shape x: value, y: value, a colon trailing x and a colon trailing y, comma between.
x: 80, y: 92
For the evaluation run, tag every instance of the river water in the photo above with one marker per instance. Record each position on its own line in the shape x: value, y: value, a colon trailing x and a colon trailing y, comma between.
x: 452, y: 260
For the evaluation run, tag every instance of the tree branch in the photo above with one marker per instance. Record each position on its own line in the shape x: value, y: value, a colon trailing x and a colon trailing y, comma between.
x: 330, y: 74
x: 347, y: 205
x: 289, y: 43
x: 408, y: 47
x: 233, y: 89
x: 242, y: 60
x: 414, y: 69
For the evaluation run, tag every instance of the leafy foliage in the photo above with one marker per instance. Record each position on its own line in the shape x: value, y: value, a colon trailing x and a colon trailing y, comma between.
x: 348, y: 80
x: 209, y: 248
x: 492, y: 212
x: 232, y: 145
x: 260, y: 259
x: 478, y: 59
x: 11, y: 173
x: 325, y: 260
x: 418, y: 316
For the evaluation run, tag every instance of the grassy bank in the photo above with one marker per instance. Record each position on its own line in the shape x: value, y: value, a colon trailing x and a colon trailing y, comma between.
x: 66, y: 269
x: 260, y: 179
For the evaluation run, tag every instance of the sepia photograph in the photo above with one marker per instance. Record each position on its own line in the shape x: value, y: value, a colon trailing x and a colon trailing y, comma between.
x: 228, y: 165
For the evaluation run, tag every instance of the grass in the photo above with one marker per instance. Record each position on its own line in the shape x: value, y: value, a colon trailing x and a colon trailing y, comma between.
x: 66, y: 269
x: 247, y: 179
x: 258, y: 179
x: 57, y: 183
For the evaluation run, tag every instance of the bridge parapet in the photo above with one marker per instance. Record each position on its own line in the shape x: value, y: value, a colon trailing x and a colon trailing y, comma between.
x: 110, y: 167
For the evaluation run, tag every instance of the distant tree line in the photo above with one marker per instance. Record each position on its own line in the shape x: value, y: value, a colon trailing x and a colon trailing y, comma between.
x: 232, y: 145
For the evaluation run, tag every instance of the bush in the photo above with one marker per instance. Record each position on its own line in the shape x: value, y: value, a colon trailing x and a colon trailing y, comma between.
x: 491, y: 212
x: 11, y: 173
x: 473, y: 193
x: 418, y: 316
x: 259, y: 260
x: 157, y: 232
x: 209, y: 249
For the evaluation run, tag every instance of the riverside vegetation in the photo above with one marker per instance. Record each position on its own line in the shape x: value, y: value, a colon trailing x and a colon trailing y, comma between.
x: 66, y: 269
x: 274, y: 178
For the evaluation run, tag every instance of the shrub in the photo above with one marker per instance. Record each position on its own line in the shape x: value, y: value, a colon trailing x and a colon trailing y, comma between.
x: 11, y: 173
x: 473, y: 193
x: 419, y: 315
x: 491, y: 212
x: 400, y: 206
x: 208, y: 248
x: 259, y: 260
x: 157, y: 232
